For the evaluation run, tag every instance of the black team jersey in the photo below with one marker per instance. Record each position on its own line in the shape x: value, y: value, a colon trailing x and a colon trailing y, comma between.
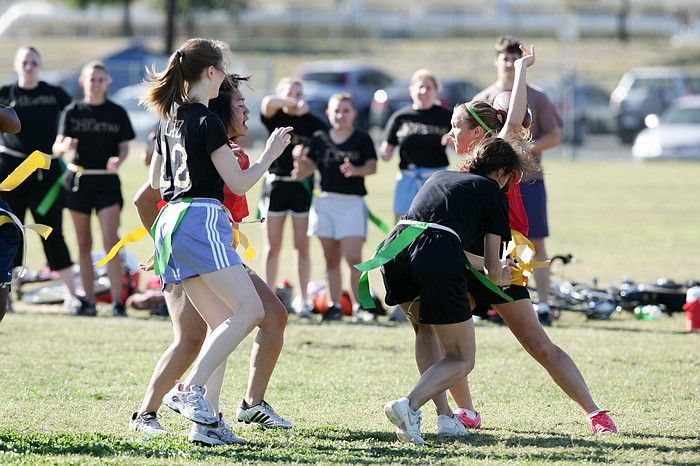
x: 471, y: 205
x: 418, y: 133
x: 99, y: 130
x: 304, y: 127
x: 186, y: 142
x: 328, y: 156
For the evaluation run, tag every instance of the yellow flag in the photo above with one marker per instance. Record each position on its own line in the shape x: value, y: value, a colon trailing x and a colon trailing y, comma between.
x: 33, y: 162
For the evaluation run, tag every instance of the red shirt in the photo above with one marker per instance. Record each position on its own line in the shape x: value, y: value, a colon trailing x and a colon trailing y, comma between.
x: 516, y: 212
x: 238, y: 205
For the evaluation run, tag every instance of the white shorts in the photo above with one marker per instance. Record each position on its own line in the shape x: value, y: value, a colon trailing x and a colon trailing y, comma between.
x: 337, y: 216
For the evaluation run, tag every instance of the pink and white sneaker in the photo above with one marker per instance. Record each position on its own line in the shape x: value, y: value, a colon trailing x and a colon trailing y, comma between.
x: 471, y: 420
x: 601, y: 423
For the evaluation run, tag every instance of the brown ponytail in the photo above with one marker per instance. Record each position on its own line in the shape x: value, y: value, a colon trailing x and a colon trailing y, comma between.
x: 169, y: 87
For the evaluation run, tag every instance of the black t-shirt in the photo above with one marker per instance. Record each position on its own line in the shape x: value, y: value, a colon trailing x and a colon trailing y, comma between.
x: 186, y: 142
x: 471, y: 205
x: 304, y: 127
x: 328, y: 156
x: 418, y: 134
x: 39, y: 110
x: 99, y: 130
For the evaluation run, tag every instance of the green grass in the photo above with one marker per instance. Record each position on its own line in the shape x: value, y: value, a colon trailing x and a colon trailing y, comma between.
x: 70, y: 385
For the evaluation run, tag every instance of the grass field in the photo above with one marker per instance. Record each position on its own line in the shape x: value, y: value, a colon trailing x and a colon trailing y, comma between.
x: 69, y: 385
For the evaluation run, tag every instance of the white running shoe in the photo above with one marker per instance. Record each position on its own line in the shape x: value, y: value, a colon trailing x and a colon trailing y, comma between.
x: 192, y: 404
x: 450, y: 426
x: 406, y: 420
x: 147, y: 424
x: 262, y: 414
x: 220, y: 434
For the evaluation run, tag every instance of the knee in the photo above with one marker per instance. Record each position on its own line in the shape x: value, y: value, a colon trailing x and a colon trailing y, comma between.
x: 256, y: 315
x: 275, y: 317
x: 189, y: 345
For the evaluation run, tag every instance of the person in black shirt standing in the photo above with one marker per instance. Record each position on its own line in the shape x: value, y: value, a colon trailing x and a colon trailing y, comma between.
x: 283, y: 196
x: 419, y: 131
x: 193, y: 237
x: 98, y: 131
x: 343, y: 157
x: 39, y: 107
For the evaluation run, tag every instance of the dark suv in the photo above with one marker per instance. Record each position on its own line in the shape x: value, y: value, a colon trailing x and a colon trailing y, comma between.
x: 643, y: 91
x: 322, y: 79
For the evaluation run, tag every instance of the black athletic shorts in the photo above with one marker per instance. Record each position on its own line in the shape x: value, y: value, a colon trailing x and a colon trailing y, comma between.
x: 432, y: 269
x: 94, y: 192
x: 9, y: 245
x: 484, y: 298
x: 288, y: 197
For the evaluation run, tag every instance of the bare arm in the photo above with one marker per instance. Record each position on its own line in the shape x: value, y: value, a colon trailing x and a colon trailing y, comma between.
x: 240, y: 181
x: 547, y: 140
x: 271, y: 104
x: 368, y: 168
x: 154, y: 170
x: 9, y: 121
x: 492, y: 261
x: 146, y: 203
x: 518, y: 98
x: 386, y: 150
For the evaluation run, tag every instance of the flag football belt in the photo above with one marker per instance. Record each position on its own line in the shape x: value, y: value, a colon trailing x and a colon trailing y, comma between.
x: 82, y: 171
x: 385, y: 252
x: 33, y: 162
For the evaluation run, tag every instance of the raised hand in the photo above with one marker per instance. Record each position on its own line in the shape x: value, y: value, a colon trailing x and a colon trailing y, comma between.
x: 279, y: 139
x: 528, y: 58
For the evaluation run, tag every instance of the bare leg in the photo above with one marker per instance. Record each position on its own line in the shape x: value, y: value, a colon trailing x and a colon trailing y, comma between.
x: 81, y: 222
x: 427, y: 351
x: 268, y: 342
x: 522, y: 321
x: 352, y: 252
x: 207, y: 292
x: 189, y: 331
x: 332, y: 253
x: 541, y: 274
x: 67, y: 278
x: 109, y: 223
x: 4, y: 292
x: 462, y: 395
x: 301, y: 244
x: 458, y: 344
x: 274, y: 228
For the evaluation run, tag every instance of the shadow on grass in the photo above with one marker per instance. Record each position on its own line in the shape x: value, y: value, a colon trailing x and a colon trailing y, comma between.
x: 337, y: 445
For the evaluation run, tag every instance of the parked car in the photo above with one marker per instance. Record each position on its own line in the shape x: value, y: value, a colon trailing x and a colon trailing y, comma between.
x: 643, y: 91
x: 321, y: 79
x: 591, y: 109
x: 674, y: 134
x: 386, y: 101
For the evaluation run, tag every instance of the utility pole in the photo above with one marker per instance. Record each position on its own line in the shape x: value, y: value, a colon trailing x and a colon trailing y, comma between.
x: 169, y: 26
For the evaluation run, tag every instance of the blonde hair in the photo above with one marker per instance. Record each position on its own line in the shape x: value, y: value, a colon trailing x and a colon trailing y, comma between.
x: 184, y: 68
x: 287, y: 81
x: 341, y: 97
x: 424, y: 73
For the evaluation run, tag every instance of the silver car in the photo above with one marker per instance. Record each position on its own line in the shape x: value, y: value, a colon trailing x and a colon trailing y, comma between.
x: 673, y: 135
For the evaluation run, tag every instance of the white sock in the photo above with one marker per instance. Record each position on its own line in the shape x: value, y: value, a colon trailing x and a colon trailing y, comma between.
x: 593, y: 413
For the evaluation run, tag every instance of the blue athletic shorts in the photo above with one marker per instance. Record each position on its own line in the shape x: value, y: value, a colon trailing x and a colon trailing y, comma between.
x: 202, y: 243
x: 408, y: 182
x: 535, y: 202
x: 9, y: 243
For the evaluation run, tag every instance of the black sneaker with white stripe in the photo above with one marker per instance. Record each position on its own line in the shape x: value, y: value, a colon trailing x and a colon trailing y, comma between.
x: 262, y: 414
